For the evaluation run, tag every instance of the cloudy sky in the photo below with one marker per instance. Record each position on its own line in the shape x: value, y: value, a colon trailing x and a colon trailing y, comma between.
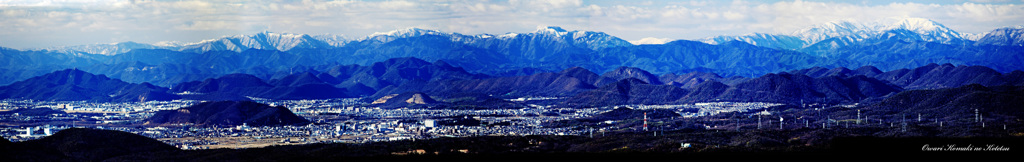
x: 46, y: 23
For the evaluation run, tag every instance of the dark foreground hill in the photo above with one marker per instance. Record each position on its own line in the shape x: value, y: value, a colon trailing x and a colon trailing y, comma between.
x: 228, y: 113
x: 994, y: 104
x: 931, y: 76
x: 689, y: 144
x: 628, y: 91
x: 793, y: 88
x: 77, y: 85
x: 86, y: 144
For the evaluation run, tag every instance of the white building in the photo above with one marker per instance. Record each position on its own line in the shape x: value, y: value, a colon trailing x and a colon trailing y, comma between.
x: 429, y: 123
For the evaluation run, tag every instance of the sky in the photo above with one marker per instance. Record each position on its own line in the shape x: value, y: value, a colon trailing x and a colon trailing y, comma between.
x: 27, y: 24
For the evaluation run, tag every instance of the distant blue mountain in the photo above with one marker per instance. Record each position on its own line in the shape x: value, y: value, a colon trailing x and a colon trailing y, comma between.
x: 931, y: 76
x: 628, y: 91
x: 792, y: 88
x: 548, y: 49
x: 454, y: 87
x: 896, y: 49
x: 565, y: 83
x: 242, y: 86
x: 77, y: 85
x: 885, y: 45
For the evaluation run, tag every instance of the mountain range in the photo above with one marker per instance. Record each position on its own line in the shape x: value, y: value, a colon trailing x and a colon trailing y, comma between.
x: 844, y: 31
x: 886, y: 44
x: 441, y: 84
x: 931, y: 76
x: 241, y: 86
x: 77, y: 85
x: 895, y: 43
x: 1003, y: 37
x: 263, y: 41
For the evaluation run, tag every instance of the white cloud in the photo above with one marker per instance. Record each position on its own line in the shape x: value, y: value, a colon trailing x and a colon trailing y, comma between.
x: 990, y: 1
x: 545, y: 5
x: 32, y: 23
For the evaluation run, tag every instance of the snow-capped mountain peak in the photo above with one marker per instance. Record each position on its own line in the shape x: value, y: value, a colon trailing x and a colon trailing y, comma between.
x: 850, y: 31
x: 550, y: 29
x: 929, y: 30
x: 264, y: 40
x: 508, y: 35
x: 828, y: 30
x: 1008, y: 36
x: 407, y: 32
x: 275, y: 41
x: 585, y: 39
x: 912, y: 24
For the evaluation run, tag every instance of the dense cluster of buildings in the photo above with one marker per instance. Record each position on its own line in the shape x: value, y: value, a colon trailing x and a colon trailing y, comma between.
x: 334, y: 120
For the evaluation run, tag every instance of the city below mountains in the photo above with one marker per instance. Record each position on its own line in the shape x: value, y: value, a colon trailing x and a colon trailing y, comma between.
x: 838, y: 62
x: 840, y: 89
x: 887, y: 45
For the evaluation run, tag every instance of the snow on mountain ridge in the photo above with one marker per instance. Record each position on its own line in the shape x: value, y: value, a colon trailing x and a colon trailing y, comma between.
x: 846, y: 30
x: 851, y: 30
x: 105, y: 48
x: 557, y: 31
x: 286, y: 41
x: 333, y: 40
x: 973, y: 37
x: 587, y: 39
x: 264, y: 40
x: 169, y: 44
x: 405, y: 33
x: 760, y: 39
x: 1008, y: 36
x: 384, y: 37
x: 828, y: 30
x: 929, y: 30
